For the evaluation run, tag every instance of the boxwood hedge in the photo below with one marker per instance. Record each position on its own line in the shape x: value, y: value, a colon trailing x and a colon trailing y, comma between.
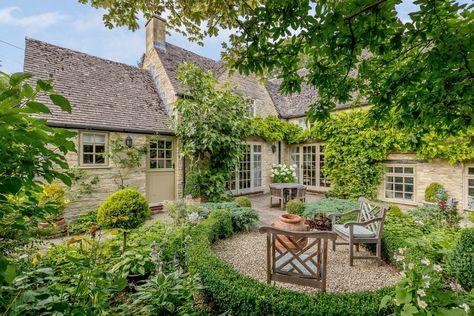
x: 228, y: 291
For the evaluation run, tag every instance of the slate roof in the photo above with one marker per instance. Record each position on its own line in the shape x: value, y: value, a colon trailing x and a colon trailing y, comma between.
x: 173, y: 56
x: 104, y: 94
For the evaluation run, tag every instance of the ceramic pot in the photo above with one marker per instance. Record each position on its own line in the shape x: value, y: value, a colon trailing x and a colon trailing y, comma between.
x: 290, y: 222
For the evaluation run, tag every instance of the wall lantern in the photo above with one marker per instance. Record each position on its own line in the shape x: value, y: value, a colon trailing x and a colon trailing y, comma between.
x: 274, y: 148
x: 129, y: 141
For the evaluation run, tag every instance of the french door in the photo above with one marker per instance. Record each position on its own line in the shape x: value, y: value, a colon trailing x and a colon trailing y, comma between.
x: 309, y: 161
x: 248, y: 177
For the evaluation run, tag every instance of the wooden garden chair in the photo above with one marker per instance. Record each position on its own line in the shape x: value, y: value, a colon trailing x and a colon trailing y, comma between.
x: 301, y: 194
x: 366, y: 230
x: 276, y: 193
x: 292, y: 261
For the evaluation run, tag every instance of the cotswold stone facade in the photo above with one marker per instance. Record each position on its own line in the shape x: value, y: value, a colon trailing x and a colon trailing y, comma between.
x: 122, y: 101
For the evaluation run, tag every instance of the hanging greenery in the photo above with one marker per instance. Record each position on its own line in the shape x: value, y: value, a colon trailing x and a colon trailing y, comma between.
x: 354, y: 147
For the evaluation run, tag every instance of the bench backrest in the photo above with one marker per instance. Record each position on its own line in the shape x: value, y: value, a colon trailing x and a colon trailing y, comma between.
x: 370, y: 210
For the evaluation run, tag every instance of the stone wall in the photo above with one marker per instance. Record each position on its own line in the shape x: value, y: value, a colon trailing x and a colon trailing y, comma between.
x: 452, y: 177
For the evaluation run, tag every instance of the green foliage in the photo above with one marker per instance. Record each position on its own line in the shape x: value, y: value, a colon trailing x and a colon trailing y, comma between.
x: 166, y: 294
x: 431, y: 218
x: 82, y: 223
x: 135, y: 262
x: 421, y: 293
x: 123, y: 209
x: 461, y: 259
x: 212, y: 124
x: 431, y: 191
x: 225, y: 222
x: 273, y: 129
x: 295, y: 207
x: 54, y: 194
x: 470, y: 216
x: 395, y: 211
x: 228, y: 291
x: 329, y: 205
x: 243, y: 201
x: 217, y: 206
x: 183, y: 211
x: 125, y: 159
x: 243, y: 218
x: 193, y: 184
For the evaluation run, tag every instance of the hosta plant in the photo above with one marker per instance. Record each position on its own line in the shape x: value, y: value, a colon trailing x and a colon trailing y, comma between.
x: 422, y: 291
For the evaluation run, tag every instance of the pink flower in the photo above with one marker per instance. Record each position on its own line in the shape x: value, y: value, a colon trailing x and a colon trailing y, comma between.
x: 399, y: 258
x: 425, y: 261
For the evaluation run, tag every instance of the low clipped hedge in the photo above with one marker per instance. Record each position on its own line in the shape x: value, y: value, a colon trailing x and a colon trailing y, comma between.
x: 228, y: 291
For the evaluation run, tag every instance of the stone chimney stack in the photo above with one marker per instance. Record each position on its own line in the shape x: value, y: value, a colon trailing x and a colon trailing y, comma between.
x: 155, y: 33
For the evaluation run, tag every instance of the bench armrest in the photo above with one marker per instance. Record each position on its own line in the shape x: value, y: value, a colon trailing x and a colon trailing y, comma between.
x: 334, y: 216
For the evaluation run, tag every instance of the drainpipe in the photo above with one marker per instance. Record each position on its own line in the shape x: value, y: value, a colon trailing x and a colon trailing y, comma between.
x: 279, y: 152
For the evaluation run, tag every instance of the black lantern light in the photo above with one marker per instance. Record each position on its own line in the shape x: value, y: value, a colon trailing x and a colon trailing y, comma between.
x: 274, y: 148
x: 129, y: 141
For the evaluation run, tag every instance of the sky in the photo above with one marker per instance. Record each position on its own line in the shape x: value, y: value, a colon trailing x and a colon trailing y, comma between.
x: 76, y: 26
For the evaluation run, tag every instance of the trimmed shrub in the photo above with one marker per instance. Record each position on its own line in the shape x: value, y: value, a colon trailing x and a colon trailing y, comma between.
x: 228, y: 291
x: 431, y: 191
x: 193, y: 184
x: 329, y: 205
x: 220, y: 206
x: 243, y: 218
x: 461, y: 259
x: 243, y: 201
x: 124, y: 209
x: 225, y: 222
x: 396, y: 211
x: 295, y: 207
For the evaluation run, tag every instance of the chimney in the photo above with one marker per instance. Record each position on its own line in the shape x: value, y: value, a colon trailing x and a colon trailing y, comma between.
x: 155, y: 33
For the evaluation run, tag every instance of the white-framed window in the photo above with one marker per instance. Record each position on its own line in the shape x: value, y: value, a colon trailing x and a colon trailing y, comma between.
x: 399, y: 182
x: 93, y: 149
x: 309, y: 161
x: 252, y: 108
x: 304, y: 124
x: 248, y: 177
x: 470, y: 182
x: 160, y: 154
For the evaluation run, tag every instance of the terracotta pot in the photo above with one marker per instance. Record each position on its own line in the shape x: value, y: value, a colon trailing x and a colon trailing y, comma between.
x: 290, y: 222
x: 43, y: 225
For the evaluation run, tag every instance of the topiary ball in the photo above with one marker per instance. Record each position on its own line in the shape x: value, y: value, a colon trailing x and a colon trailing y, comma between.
x: 243, y: 201
x: 125, y: 209
x: 431, y: 191
x: 295, y: 207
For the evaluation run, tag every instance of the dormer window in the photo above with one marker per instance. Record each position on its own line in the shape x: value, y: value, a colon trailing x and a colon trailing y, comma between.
x: 252, y: 108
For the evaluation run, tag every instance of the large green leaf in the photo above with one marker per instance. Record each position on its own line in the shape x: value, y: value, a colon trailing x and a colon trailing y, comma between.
x: 61, y: 101
x: 38, y: 107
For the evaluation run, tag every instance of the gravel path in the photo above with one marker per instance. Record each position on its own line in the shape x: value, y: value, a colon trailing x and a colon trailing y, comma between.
x: 246, y: 253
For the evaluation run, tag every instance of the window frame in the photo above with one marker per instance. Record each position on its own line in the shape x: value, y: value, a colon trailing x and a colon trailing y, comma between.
x: 467, y: 177
x: 394, y: 174
x: 82, y: 164
x: 252, y: 109
x: 173, y: 155
x: 317, y: 168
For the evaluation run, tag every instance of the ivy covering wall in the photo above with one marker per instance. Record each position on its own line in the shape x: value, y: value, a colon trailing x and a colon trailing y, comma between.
x: 354, y: 148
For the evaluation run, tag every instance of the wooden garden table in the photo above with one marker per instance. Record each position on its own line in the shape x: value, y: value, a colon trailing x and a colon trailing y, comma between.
x: 286, y: 189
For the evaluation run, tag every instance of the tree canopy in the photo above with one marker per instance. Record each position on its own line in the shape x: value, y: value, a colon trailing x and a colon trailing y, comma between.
x: 416, y: 73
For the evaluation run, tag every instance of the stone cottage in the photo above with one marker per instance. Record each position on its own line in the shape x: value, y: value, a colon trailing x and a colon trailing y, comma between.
x: 113, y: 101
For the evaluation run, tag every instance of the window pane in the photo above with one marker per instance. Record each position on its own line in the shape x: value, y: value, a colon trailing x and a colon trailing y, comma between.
x: 168, y: 145
x: 88, y: 159
x: 470, y: 171
x: 161, y: 153
x: 99, y: 148
x: 168, y: 154
x: 388, y: 186
x: 161, y: 144
x: 389, y: 169
x: 88, y: 138
x: 409, y: 188
x: 100, y: 138
x: 169, y: 164
x: 153, y: 164
x: 161, y: 163
x: 153, y: 153
x: 389, y: 194
x: 409, y: 170
x: 409, y: 180
x: 153, y: 144
x: 389, y: 179
x: 399, y: 179
x: 99, y: 159
x: 398, y: 187
x: 471, y: 182
x: 408, y: 196
x: 87, y: 148
x: 398, y: 169
x: 471, y: 192
x: 398, y: 195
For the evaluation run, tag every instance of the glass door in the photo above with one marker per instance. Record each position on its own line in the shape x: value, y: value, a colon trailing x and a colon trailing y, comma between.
x: 309, y: 161
x: 248, y: 177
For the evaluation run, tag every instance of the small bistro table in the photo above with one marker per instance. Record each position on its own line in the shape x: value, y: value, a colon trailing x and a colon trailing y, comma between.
x: 285, y: 191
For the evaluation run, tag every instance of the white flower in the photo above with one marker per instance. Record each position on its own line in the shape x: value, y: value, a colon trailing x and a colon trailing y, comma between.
x: 454, y: 286
x: 169, y: 230
x: 402, y: 250
x: 411, y: 266
x: 194, y: 217
x: 465, y: 307
x: 421, y: 303
x: 425, y: 261
x: 403, y: 274
x: 437, y: 268
x: 294, y: 166
x: 421, y: 292
x: 399, y: 258
x: 419, y: 223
